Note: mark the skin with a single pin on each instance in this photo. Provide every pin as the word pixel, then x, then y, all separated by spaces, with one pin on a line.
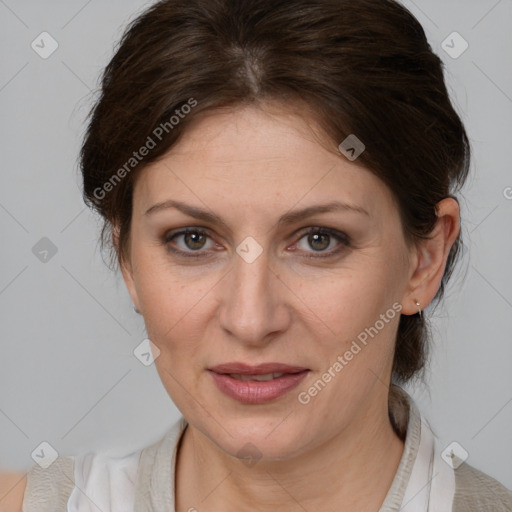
pixel 251 165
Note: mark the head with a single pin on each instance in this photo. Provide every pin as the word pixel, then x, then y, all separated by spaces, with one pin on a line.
pixel 238 109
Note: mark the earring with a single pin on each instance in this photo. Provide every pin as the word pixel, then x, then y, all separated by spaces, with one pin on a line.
pixel 418 306
pixel 136 310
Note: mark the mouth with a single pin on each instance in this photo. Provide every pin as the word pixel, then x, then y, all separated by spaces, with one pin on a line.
pixel 258 378
pixel 257 384
pixel 263 369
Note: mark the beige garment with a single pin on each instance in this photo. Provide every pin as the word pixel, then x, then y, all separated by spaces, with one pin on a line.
pixel 48 490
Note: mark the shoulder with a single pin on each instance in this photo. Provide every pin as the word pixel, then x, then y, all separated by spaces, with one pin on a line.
pixel 49 488
pixel 70 483
pixel 12 489
pixel 475 490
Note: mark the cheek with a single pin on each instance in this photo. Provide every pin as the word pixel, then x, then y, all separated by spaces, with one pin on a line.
pixel 345 302
pixel 173 309
pixel 164 289
pixel 357 316
pixel 360 315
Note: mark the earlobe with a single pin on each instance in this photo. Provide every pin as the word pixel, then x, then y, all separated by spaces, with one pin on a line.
pixel 432 255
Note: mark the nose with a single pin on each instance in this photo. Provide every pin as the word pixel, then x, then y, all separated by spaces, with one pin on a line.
pixel 254 307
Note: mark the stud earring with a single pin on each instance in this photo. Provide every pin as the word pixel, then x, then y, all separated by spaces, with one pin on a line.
pixel 418 306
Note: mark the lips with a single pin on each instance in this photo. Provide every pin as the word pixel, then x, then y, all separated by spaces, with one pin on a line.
pixel 260 378
pixel 257 384
pixel 261 369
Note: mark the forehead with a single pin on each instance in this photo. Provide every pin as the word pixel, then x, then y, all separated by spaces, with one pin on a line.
pixel 257 125
pixel 255 158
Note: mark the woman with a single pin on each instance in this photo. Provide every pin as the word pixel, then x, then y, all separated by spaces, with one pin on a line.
pixel 277 183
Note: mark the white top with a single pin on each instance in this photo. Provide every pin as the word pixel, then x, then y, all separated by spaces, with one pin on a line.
pixel 427 480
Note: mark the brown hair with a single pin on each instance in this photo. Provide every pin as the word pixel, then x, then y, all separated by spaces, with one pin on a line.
pixel 362 67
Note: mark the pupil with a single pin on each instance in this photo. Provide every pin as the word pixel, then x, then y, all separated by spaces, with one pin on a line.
pixel 194 235
pixel 315 237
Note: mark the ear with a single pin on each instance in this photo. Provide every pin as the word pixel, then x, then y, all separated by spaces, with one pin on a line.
pixel 429 258
pixel 126 269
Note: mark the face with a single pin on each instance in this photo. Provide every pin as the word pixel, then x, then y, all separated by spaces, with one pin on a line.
pixel 253 283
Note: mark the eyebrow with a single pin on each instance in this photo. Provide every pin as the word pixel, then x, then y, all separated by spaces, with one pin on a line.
pixel 287 219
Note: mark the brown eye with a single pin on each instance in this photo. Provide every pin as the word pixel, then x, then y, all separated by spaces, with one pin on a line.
pixel 320 239
pixel 192 241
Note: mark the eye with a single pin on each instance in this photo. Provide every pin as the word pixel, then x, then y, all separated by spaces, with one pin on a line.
pixel 194 240
pixel 319 239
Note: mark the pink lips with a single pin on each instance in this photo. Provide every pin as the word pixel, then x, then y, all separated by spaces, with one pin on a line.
pixel 252 391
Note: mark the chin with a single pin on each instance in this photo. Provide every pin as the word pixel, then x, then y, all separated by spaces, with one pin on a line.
pixel 256 437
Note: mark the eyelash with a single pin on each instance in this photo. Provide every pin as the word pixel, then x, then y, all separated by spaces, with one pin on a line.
pixel 341 237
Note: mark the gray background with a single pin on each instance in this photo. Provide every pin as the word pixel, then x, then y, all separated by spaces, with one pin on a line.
pixel 68 375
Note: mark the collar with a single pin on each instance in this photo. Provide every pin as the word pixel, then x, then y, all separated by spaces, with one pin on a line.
pixel 423 481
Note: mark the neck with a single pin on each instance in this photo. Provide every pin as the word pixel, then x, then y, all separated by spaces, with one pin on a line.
pixel 337 472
